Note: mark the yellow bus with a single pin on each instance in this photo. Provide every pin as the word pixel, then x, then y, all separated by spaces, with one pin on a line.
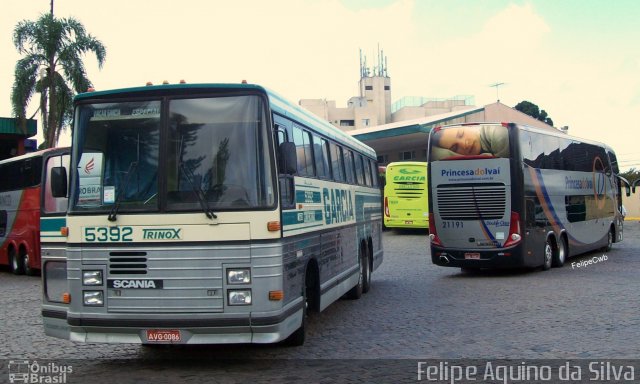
pixel 405 195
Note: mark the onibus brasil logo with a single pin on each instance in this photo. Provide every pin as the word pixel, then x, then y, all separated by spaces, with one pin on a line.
pixel 25 371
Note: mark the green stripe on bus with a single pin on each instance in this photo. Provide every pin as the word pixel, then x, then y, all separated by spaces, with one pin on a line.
pixel 52 224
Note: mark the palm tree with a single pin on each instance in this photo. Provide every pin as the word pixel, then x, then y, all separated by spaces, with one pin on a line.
pixel 52 62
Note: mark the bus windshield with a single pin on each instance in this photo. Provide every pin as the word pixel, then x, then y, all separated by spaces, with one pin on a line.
pixel 215 153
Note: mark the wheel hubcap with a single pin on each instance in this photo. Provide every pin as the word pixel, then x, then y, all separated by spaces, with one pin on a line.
pixel 547 253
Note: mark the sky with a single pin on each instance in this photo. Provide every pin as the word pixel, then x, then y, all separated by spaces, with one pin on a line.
pixel 579 60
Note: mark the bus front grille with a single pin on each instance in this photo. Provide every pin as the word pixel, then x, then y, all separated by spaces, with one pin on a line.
pixel 127 263
pixel 471 202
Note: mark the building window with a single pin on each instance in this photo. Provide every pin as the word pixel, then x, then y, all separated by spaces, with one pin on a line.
pixel 408 155
pixel 368 87
pixel 347 123
pixel 366 122
pixel 387 87
pixel 383 159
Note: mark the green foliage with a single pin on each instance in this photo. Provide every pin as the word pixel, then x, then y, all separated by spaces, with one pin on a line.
pixel 534 111
pixel 631 175
pixel 51 65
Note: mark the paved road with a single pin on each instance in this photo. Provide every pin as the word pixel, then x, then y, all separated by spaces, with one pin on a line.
pixel 414 311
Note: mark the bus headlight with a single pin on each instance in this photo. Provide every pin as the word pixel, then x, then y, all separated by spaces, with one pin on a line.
pixel 239 297
pixel 93 298
pixel 91 277
pixel 239 276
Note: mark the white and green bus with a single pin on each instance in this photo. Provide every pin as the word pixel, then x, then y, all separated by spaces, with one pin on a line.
pixel 206 214
pixel 405 195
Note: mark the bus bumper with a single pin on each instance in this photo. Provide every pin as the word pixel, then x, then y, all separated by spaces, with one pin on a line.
pixel 257 328
pixel 493 259
pixel 404 223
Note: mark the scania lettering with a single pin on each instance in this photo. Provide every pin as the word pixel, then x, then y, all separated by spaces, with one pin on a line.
pixel 508 195
pixel 208 214
pixel 135 284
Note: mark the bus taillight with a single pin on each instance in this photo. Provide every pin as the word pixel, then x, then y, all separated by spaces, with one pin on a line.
pixel 433 233
pixel 386 207
pixel 514 231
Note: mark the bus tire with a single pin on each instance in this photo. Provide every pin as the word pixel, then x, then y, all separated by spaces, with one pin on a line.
pixel 15 263
pixel 296 339
pixel 366 282
pixel 560 255
pixel 356 292
pixel 609 245
pixel 547 255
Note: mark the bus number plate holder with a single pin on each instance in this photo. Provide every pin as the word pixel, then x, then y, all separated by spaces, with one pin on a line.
pixel 163 336
pixel 472 256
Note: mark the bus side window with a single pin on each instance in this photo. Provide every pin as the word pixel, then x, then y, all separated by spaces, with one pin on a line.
pixel 3 223
pixel 348 165
pixel 530 212
pixel 336 163
pixel 285 180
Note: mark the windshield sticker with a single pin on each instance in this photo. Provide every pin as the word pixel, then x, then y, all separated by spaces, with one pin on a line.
pixel 109 196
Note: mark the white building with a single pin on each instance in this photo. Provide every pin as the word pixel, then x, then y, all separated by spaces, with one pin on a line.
pixel 399 132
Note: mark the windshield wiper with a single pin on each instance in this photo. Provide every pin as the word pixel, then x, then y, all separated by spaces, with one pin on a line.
pixel 116 206
pixel 199 193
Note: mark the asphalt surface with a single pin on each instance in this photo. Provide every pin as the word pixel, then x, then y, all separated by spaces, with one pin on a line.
pixel 414 312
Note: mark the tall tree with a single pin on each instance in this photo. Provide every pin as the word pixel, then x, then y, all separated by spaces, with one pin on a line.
pixel 52 65
pixel 534 111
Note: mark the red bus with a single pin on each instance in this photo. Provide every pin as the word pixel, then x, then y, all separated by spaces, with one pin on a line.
pixel 21 195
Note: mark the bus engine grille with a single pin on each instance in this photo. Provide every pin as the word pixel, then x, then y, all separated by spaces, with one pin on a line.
pixel 471 202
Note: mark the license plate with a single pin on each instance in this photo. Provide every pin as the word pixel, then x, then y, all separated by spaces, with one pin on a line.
pixel 472 256
pixel 163 335
pixel 408 222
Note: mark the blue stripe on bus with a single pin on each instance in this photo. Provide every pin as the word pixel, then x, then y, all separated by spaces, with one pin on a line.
pixel 551 211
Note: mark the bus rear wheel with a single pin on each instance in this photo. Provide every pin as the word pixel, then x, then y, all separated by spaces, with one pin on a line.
pixel 16 263
pixel 26 263
pixel 548 255
pixel 560 256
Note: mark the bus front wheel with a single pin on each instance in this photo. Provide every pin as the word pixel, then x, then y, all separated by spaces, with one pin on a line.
pixel 366 283
pixel 356 292
pixel 296 339
pixel 609 245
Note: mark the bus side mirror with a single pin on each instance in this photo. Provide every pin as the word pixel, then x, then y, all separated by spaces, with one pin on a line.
pixel 59 182
pixel 288 158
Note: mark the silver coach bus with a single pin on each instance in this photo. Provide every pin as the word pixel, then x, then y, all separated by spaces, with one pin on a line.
pixel 506 195
pixel 207 213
